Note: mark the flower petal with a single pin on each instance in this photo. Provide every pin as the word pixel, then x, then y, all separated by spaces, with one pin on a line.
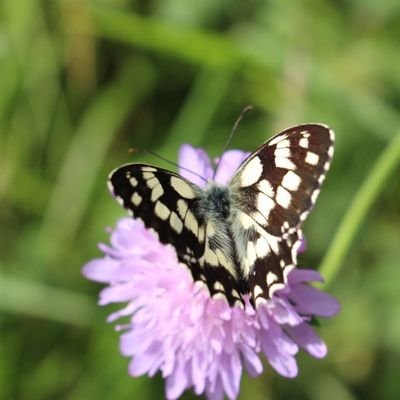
pixel 196 160
pixel 230 162
pixel 177 382
pixel 311 301
pixel 307 339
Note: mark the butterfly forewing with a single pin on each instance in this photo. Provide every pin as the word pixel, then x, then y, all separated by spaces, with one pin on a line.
pixel 165 202
pixel 279 183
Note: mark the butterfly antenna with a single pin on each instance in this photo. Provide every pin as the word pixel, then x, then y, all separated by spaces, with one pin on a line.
pixel 233 131
pixel 139 150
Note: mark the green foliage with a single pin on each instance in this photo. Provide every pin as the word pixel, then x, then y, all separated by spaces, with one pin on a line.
pixel 81 82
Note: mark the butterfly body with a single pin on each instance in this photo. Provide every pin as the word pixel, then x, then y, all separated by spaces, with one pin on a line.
pixel 242 238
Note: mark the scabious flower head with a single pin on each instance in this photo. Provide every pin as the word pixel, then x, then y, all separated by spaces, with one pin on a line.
pixel 176 328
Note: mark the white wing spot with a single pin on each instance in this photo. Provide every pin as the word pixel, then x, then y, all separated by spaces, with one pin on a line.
pixel 235 294
pixel 287 270
pixel 312 158
pixel 265 187
pixel 305 134
pixel 152 182
pixel 136 199
pixel 331 135
pixel 283 143
pixel 291 181
pixel 219 296
pixel 277 139
pixel 176 222
pixel 283 197
pixel 156 193
pixel 314 195
pixel 251 172
pixel 257 291
pixel 262 248
pixel 285 163
pixel 202 285
pixel 259 218
pixel 201 234
pixel 182 207
pixel 284 153
pixel 303 142
pixel 273 244
pixel 275 287
pixel 161 210
pixel 285 225
pixel 326 166
pixel 304 215
pixel 238 304
pixel 149 169
pixel 271 278
pixel 120 201
pixel 191 223
pixel 218 287
pixel 148 175
pixel 259 301
pixel 182 188
pixel 251 253
pixel 330 151
pixel 133 181
pixel 265 204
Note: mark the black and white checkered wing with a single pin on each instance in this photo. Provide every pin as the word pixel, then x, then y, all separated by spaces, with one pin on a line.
pixel 273 192
pixel 177 210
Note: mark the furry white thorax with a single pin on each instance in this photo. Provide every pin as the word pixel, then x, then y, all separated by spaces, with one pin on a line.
pixel 228 230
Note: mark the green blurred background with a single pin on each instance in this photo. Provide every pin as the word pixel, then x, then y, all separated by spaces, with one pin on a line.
pixel 82 81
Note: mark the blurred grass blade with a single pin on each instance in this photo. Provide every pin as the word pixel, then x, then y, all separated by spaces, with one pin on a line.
pixel 85 156
pixel 358 209
pixel 38 300
pixel 195 117
pixel 193 45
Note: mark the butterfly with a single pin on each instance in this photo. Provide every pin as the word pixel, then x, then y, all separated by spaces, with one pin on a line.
pixel 241 239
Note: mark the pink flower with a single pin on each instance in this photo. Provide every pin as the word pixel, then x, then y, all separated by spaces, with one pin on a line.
pixel 175 327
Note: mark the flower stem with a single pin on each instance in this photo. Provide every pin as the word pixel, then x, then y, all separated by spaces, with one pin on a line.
pixel 358 209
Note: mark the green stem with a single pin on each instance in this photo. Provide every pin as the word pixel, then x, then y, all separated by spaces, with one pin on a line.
pixel 359 207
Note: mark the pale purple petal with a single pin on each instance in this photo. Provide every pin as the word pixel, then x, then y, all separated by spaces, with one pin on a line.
pixel 196 160
pixel 311 301
pixel 176 383
pixel 230 162
pixel 304 276
pixel 307 339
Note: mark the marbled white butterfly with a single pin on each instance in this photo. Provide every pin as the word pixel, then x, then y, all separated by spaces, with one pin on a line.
pixel 242 238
